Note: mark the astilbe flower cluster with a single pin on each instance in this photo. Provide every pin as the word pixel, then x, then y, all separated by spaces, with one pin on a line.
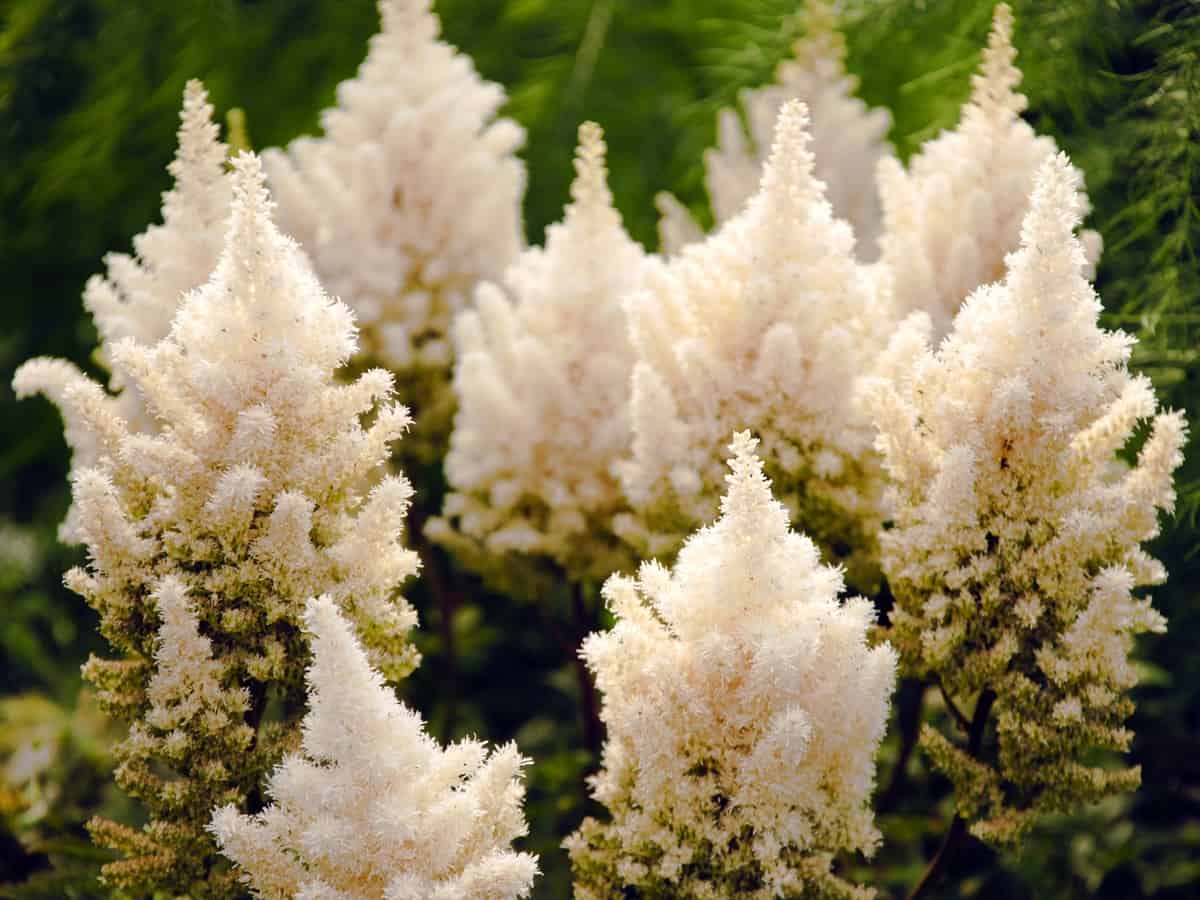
pixel 543 387
pixel 246 500
pixel 1015 549
pixel 951 217
pixel 848 140
pixel 744 708
pixel 410 197
pixel 768 324
pixel 371 808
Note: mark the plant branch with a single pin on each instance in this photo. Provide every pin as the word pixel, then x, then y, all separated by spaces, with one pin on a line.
pixel 910 699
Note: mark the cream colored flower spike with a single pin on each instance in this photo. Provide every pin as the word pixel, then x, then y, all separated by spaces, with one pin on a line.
pixel 410 198
pixel 740 698
pixel 372 808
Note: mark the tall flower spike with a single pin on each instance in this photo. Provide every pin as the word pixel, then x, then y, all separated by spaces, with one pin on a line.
pixel 1016 540
pixel 848 140
pixel 542 382
pixel 767 325
pixel 247 501
pixel 139 295
pixel 744 709
pixel 410 198
pixel 953 216
pixel 372 808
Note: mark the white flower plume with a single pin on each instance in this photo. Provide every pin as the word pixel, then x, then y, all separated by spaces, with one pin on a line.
pixel 372 808
pixel 741 698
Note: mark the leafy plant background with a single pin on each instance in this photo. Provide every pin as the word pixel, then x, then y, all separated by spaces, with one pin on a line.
pixel 89 93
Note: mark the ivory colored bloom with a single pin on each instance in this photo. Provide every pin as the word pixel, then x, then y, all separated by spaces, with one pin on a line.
pixel 767 325
pixel 372 808
pixel 955 213
pixel 543 384
pixel 410 198
pixel 1017 534
pixel 744 708
pixel 848 140
pixel 247 500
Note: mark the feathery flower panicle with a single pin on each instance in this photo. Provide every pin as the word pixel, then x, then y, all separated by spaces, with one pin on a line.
pixel 139 295
pixel 543 383
pixel 372 808
pixel 848 140
pixel 744 708
pixel 1016 546
pixel 409 199
pixel 767 325
pixel 953 216
pixel 246 501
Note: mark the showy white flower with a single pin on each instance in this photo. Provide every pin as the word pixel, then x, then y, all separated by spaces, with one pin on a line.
pixel 953 216
pixel 248 499
pixel 848 140
pixel 410 197
pixel 1016 544
pixel 766 325
pixel 543 383
pixel 372 808
pixel 744 708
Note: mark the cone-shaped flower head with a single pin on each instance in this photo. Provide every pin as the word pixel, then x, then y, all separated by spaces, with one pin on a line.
pixel 767 325
pixel 848 140
pixel 743 707
pixel 1017 534
pixel 372 808
pixel 410 198
pixel 953 216
pixel 543 384
pixel 248 500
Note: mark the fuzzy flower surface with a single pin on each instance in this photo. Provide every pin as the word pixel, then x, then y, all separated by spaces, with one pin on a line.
pixel 953 215
pixel 1016 546
pixel 744 708
pixel 410 197
pixel 259 488
pixel 372 808
pixel 543 386
pixel 768 325
pixel 848 140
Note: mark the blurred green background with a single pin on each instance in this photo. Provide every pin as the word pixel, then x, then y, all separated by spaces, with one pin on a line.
pixel 89 95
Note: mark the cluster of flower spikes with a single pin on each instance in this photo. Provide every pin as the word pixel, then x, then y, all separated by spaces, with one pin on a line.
pixel 1016 544
pixel 848 140
pixel 140 293
pixel 246 501
pixel 409 199
pixel 543 385
pixel 768 324
pixel 744 708
pixel 952 217
pixel 372 808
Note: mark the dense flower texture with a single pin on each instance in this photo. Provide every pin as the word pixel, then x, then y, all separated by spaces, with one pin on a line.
pixel 411 197
pixel 848 140
pixel 766 325
pixel 744 709
pixel 543 386
pixel 140 293
pixel 243 504
pixel 1016 541
pixel 373 808
pixel 951 218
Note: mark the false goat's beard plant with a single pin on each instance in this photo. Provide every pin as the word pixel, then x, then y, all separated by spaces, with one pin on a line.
pixel 744 708
pixel 372 808
pixel 1016 541
pixel 768 324
pixel 245 502
pixel 543 384
pixel 848 140
pixel 410 197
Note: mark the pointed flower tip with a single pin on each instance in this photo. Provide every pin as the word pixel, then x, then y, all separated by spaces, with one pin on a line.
pixel 790 161
pixel 591 172
pixel 321 616
pixel 1057 201
pixel 994 86
pixel 745 466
